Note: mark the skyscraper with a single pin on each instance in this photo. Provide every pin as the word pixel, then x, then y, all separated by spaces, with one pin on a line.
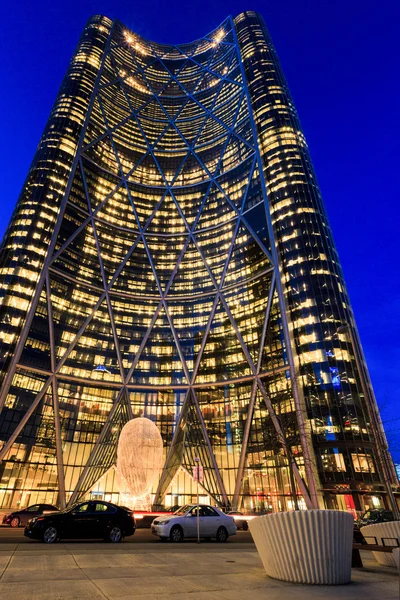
pixel 170 257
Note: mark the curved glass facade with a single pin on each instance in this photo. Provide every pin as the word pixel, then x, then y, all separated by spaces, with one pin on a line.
pixel 170 258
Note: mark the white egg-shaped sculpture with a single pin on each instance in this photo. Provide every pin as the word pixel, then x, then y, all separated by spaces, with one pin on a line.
pixel 139 456
pixel 125 496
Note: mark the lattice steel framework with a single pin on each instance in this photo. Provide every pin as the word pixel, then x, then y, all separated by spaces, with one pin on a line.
pixel 156 286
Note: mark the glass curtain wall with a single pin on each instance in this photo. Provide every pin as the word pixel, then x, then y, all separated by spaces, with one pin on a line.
pixel 339 403
pixel 140 277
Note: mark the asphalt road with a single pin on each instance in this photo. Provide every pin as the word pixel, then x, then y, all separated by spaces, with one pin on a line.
pixel 142 536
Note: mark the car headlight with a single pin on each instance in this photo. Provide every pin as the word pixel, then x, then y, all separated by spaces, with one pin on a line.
pixel 165 522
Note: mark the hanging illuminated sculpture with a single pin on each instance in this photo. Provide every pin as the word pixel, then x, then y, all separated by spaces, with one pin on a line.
pixel 139 461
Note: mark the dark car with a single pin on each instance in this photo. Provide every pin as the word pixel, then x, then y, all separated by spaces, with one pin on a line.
pixel 21 517
pixel 240 520
pixel 93 519
pixel 376 515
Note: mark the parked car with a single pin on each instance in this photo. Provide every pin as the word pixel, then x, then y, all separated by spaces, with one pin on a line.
pixel 183 524
pixel 86 520
pixel 19 518
pixel 240 520
pixel 376 515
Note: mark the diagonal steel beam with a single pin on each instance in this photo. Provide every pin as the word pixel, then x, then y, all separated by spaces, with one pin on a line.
pixel 299 480
pixel 56 405
pixel 243 452
pixel 210 450
pixel 171 449
pixel 155 94
pixel 266 322
pixel 59 451
pixel 154 97
pixel 104 279
pixel 143 343
pixel 177 343
pixel 87 219
pixel 238 335
pixel 135 212
pixel 189 238
pixel 103 295
pixel 109 286
pixel 205 336
pixel 25 418
pixel 41 282
pixel 298 396
pixel 105 134
pixel 79 333
pixel 99 440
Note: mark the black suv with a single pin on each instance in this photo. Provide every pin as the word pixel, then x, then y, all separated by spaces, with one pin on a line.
pixel 21 517
pixel 93 519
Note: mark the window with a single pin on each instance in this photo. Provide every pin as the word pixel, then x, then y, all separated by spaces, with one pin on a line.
pixel 363 463
pixel 181 511
pixel 103 508
pixel 207 511
pixel 82 508
pixel 34 508
pixel 333 460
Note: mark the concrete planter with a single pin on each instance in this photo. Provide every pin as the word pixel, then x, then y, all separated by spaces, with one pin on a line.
pixel 390 532
pixel 396 557
pixel 312 546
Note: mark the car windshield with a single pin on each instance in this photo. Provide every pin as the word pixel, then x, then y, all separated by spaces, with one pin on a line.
pixel 182 510
pixel 70 508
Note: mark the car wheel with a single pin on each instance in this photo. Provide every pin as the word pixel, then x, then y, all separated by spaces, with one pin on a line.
pixel 15 522
pixel 50 535
pixel 115 534
pixel 222 534
pixel 176 534
pixel 245 526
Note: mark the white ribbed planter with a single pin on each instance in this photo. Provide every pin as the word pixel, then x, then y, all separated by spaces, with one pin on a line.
pixel 311 546
pixel 390 531
pixel 396 556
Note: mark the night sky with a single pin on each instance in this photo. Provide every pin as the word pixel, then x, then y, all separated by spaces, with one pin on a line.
pixel 341 60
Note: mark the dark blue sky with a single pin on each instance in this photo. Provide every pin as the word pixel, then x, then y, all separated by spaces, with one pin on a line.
pixel 341 59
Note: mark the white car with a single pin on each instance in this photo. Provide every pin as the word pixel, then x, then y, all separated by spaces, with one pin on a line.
pixel 183 524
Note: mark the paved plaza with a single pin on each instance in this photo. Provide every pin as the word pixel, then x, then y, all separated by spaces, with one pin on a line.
pixel 150 570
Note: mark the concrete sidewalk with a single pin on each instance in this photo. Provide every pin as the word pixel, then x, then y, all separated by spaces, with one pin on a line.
pixel 186 571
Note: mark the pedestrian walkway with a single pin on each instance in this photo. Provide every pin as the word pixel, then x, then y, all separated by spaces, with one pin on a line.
pixel 98 571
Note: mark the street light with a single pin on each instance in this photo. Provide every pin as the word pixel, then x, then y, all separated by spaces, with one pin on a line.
pixel 381 445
